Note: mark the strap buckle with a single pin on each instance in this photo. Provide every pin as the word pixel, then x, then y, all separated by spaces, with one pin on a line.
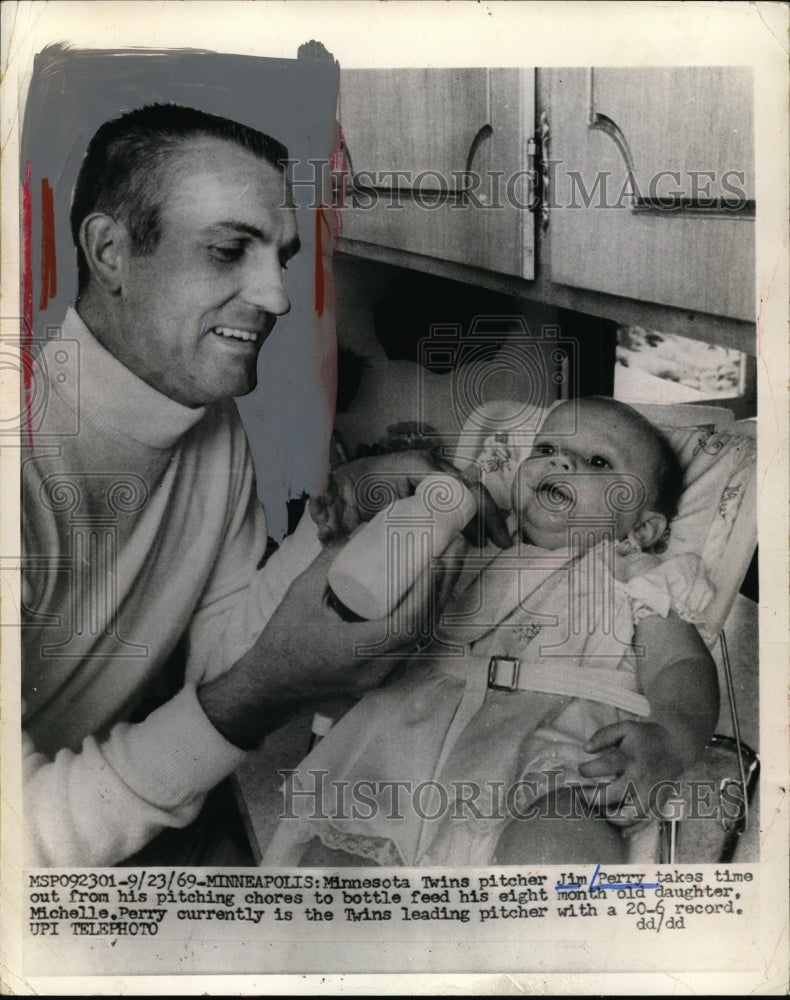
pixel 503 673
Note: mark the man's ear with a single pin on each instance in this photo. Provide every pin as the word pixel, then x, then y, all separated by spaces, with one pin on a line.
pixel 649 528
pixel 105 244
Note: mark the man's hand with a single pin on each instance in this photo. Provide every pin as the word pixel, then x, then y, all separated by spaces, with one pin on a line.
pixel 638 755
pixel 307 652
pixel 358 490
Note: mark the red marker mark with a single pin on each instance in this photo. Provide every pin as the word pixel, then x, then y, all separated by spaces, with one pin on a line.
pixel 49 280
pixel 330 219
pixel 321 223
pixel 27 298
pixel 339 172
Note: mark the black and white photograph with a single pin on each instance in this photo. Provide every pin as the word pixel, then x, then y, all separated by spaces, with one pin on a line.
pixel 394 455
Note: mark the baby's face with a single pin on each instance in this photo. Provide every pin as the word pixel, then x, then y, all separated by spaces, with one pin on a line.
pixel 590 465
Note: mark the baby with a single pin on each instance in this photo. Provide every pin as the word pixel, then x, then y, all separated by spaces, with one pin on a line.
pixel 568 661
pixel 585 454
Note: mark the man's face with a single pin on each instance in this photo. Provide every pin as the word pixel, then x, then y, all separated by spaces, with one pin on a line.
pixel 590 465
pixel 195 312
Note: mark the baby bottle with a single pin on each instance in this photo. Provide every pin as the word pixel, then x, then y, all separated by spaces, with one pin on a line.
pixel 380 563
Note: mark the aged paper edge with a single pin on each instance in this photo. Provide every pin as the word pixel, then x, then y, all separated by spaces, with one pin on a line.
pixel 458 34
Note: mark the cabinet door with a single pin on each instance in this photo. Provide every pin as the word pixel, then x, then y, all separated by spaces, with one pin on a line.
pixel 652 185
pixel 432 152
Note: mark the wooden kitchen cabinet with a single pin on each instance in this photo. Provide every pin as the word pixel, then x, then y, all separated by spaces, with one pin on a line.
pixel 676 254
pixel 651 185
pixel 415 137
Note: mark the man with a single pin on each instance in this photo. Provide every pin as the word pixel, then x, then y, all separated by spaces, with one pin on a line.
pixel 144 528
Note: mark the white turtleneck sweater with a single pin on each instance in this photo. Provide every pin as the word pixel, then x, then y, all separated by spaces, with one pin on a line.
pixel 140 525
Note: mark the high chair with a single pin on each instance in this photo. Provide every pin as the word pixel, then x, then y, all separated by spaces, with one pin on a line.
pixel 734 763
pixel 717 519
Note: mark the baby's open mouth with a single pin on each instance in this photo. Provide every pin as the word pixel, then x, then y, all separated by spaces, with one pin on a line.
pixel 555 496
pixel 555 492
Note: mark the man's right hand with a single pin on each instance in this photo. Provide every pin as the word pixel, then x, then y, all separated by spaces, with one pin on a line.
pixel 358 490
pixel 308 653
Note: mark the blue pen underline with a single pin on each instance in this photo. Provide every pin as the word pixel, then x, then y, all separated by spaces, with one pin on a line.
pixel 608 885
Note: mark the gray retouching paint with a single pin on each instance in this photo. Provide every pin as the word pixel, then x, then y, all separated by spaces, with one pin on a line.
pixel 72 92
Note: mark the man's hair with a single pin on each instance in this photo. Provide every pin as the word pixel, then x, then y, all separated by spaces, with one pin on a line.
pixel 125 167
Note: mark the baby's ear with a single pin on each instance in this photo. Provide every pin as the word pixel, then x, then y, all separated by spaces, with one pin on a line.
pixel 650 528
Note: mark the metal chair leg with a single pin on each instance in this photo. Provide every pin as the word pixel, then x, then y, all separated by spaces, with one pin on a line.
pixel 748 775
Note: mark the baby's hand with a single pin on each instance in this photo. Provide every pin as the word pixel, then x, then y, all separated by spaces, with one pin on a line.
pixel 631 561
pixel 638 756
pixel 358 490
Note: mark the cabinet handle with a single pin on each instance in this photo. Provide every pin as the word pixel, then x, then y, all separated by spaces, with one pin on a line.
pixel 710 208
pixel 676 205
pixel 456 193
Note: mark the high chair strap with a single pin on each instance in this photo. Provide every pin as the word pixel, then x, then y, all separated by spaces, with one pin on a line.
pixel 611 687
pixel 506 673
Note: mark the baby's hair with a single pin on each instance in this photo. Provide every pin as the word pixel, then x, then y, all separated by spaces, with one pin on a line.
pixel 669 478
